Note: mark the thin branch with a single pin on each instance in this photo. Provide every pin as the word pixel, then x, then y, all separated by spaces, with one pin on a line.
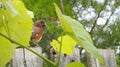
pixel 62 6
pixel 24 60
pixel 108 19
pixel 95 22
pixel 45 59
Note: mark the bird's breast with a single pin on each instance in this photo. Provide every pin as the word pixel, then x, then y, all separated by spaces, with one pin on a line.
pixel 38 36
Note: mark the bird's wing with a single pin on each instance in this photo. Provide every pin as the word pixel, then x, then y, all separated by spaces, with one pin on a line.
pixel 35 32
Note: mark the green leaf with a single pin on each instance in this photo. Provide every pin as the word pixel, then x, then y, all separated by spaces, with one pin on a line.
pixel 6 51
pixel 68 44
pixel 77 32
pixel 1 19
pixel 75 64
pixel 18 23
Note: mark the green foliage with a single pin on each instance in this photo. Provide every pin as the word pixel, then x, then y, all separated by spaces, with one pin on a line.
pixel 68 7
pixel 117 3
pixel 85 3
pixel 16 24
pixel 118 60
pixel 75 64
pixel 77 32
pixel 115 31
pixel 66 42
pixel 44 9
pixel 41 8
pixel 97 6
pixel 6 51
pixel 110 38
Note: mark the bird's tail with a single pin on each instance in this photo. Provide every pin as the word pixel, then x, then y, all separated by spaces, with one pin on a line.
pixel 32 44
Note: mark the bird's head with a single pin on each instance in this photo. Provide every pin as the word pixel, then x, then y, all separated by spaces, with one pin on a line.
pixel 40 23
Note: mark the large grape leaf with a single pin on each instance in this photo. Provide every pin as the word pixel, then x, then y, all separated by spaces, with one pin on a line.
pixel 1 20
pixel 14 23
pixel 6 51
pixel 17 22
pixel 68 44
pixel 77 32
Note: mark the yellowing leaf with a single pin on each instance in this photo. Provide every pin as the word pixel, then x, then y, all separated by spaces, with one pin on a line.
pixel 16 24
pixel 1 25
pixel 6 51
pixel 68 44
pixel 75 64
pixel 19 25
pixel 30 13
pixel 78 33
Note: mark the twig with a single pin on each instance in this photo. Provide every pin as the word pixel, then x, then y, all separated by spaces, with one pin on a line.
pixel 45 59
pixel 62 6
pixel 94 24
pixel 24 60
pixel 108 20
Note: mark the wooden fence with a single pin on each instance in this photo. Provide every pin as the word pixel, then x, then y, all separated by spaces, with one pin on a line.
pixel 108 56
pixel 24 58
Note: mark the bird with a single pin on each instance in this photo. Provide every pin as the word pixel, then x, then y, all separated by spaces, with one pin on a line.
pixel 37 32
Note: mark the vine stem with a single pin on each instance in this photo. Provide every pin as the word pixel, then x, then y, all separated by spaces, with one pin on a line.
pixel 42 57
pixel 59 53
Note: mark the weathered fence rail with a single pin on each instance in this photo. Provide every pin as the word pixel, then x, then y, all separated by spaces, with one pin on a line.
pixel 108 56
pixel 66 59
pixel 24 58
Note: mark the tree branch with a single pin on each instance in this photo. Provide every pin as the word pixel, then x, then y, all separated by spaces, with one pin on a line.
pixel 94 24
pixel 108 20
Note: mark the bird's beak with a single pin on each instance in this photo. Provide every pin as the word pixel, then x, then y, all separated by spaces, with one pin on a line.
pixel 44 24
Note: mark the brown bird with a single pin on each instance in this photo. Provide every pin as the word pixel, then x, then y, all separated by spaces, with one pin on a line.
pixel 37 32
